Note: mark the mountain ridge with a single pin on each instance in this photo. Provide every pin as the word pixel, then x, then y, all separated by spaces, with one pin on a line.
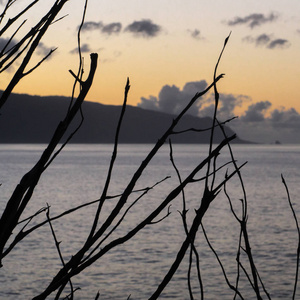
pixel 33 119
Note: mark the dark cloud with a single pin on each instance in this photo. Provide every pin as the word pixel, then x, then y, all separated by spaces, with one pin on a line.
pixel 172 100
pixel 256 112
pixel 278 124
pixel 195 34
pixel 259 122
pixel 262 39
pixel 149 103
pixel 253 20
pixel 227 105
pixel 109 29
pixel 88 26
pixel 279 43
pixel 3 43
pixel 267 41
pixel 285 118
pixel 112 28
pixel 42 49
pixel 144 28
pixel 85 48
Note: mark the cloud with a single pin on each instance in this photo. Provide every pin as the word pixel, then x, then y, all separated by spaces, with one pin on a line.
pixel 262 124
pixel 262 39
pixel 43 50
pixel 227 105
pixel 258 123
pixel 109 29
pixel 172 100
pixel 256 112
pixel 112 28
pixel 195 34
pixel 285 118
pixel 267 41
pixel 4 41
pixel 149 103
pixel 253 20
pixel 279 43
pixel 88 26
pixel 85 48
pixel 144 28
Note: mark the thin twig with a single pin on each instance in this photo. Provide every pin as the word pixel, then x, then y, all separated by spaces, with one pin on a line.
pixel 57 243
pixel 185 226
pixel 298 230
pixel 220 263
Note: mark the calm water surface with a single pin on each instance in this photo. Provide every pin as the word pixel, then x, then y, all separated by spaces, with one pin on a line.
pixel 78 175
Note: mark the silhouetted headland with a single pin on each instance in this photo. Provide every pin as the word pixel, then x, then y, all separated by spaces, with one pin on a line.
pixel 33 119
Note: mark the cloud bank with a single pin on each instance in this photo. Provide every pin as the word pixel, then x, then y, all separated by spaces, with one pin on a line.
pixel 259 122
pixel 172 99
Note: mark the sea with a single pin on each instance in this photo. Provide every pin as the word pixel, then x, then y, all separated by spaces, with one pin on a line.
pixel 134 269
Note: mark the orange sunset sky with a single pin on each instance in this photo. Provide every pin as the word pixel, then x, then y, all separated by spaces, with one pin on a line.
pixel 163 45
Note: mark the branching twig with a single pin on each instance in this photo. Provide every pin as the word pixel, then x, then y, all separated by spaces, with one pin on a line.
pixel 298 230
pixel 57 243
pixel 24 190
pixel 185 226
pixel 220 263
pixel 201 130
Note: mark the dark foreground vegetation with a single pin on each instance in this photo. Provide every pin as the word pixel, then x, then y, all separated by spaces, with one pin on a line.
pixel 100 241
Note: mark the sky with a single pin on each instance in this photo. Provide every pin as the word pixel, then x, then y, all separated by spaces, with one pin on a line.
pixel 169 49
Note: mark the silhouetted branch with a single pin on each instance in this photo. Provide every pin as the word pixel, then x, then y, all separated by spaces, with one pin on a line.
pixel 220 263
pixel 207 198
pixel 57 243
pixel 185 226
pixel 39 30
pixel 298 230
pixel 145 191
pixel 39 63
pixel 114 156
pixel 103 234
pixel 215 112
pixel 201 130
pixel 2 52
pixel 25 188
pixel 73 267
pixel 12 20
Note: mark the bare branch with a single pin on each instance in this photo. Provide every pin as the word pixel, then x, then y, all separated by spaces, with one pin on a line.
pixel 220 263
pixel 11 21
pixel 298 230
pixel 39 63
